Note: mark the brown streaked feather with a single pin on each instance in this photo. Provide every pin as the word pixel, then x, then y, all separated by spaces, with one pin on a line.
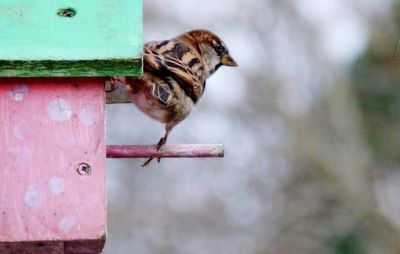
pixel 179 61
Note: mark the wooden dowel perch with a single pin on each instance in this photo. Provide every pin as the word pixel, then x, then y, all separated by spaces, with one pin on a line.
pixel 166 151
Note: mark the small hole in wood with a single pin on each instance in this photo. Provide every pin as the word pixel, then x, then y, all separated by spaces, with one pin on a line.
pixel 84 169
pixel 40 244
pixel 66 12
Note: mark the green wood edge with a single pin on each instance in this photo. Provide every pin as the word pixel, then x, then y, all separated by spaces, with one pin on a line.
pixel 76 68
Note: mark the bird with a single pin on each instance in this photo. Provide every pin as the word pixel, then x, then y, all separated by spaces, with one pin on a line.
pixel 174 76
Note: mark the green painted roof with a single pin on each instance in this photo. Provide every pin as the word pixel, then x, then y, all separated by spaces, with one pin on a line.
pixel 70 37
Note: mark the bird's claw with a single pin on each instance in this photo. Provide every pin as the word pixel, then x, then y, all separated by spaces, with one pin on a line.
pixel 147 162
pixel 160 143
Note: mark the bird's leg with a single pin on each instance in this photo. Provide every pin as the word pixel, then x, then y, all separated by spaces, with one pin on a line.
pixel 160 143
pixel 162 140
pixel 147 162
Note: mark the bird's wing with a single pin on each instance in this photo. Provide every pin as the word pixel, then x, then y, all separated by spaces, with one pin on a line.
pixel 174 59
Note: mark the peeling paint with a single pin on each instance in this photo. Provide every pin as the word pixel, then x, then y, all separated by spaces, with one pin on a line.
pixel 88 115
pixel 24 154
pixel 18 92
pixel 67 223
pixel 59 110
pixel 19 131
pixel 56 185
pixel 43 140
pixel 33 196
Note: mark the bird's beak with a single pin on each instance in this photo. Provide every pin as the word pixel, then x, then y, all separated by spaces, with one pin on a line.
pixel 227 60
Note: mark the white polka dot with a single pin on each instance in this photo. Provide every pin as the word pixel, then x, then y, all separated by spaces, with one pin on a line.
pixel 33 196
pixel 18 92
pixel 67 142
pixel 19 131
pixel 59 110
pixel 24 154
pixel 67 223
pixel 88 115
pixel 56 185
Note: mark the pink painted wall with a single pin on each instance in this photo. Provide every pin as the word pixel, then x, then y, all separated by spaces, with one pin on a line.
pixel 48 127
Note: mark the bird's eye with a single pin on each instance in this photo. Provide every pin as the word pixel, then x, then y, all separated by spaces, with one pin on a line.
pixel 219 48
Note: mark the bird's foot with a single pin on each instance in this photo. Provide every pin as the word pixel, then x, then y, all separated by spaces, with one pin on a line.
pixel 147 162
pixel 160 143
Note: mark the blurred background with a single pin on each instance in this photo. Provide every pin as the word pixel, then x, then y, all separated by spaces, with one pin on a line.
pixel 310 122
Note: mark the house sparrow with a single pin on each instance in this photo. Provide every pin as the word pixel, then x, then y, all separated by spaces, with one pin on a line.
pixel 175 74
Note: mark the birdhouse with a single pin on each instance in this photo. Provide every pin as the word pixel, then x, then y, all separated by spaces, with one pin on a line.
pixel 54 56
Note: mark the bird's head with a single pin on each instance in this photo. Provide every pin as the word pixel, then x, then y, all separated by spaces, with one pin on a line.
pixel 214 51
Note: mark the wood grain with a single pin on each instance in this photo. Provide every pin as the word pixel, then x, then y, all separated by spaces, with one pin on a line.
pixel 103 38
pixel 166 151
pixel 48 126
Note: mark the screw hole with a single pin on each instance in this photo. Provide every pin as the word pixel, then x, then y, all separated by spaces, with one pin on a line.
pixel 84 169
pixel 66 12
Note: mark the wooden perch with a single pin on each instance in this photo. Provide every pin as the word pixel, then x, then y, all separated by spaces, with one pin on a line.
pixel 166 151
